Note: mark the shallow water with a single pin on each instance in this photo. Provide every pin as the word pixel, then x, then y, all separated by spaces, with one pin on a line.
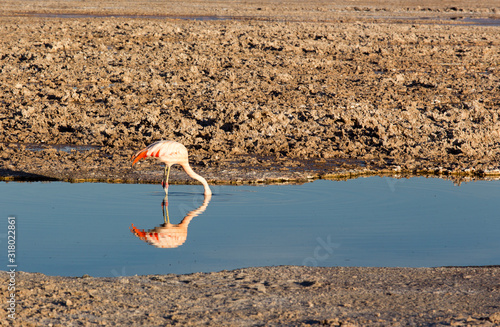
pixel 73 16
pixel 481 21
pixel 75 229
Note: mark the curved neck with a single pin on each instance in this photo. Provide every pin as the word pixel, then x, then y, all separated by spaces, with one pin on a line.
pixel 196 212
pixel 191 173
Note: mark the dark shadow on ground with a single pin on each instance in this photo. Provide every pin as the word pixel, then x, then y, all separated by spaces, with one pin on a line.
pixel 21 176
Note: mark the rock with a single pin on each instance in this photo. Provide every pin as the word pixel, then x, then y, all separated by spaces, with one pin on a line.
pixel 495 318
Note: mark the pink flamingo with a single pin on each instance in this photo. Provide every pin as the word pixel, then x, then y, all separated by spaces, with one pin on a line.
pixel 171 153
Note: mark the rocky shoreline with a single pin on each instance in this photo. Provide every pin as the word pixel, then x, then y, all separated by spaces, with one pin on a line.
pixel 252 100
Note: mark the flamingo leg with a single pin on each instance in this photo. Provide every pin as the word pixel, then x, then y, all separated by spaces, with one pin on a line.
pixel 168 218
pixel 166 175
pixel 164 207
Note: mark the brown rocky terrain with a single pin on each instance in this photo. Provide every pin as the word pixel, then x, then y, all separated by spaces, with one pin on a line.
pixel 258 92
pixel 253 99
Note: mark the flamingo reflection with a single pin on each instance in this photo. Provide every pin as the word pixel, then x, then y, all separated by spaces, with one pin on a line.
pixel 170 235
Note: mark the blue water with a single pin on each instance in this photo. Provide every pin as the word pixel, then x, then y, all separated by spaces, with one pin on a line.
pixel 75 229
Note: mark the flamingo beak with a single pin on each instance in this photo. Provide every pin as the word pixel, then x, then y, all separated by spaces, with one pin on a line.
pixel 139 156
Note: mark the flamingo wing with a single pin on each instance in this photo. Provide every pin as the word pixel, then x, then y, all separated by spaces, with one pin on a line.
pixel 171 152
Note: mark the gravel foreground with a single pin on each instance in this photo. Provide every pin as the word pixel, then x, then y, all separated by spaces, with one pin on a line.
pixel 270 296
pixel 281 92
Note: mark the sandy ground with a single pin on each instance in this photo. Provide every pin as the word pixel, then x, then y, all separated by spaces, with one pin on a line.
pixel 258 92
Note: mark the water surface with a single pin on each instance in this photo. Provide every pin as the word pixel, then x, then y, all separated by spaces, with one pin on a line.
pixel 88 228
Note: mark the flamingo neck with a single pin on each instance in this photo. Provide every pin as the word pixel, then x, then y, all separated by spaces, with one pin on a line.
pixel 185 222
pixel 191 173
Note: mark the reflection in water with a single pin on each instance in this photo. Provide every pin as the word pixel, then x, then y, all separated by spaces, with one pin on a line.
pixel 169 235
pixel 364 222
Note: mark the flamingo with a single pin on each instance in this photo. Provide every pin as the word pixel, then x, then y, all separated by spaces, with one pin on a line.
pixel 171 153
pixel 170 235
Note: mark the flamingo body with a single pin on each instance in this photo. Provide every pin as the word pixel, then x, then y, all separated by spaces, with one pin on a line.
pixel 171 153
